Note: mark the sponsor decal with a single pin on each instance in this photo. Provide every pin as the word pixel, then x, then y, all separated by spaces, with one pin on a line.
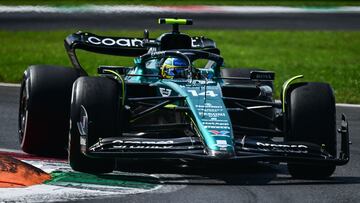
pixel 144 142
pixel 141 147
pixel 208 106
pixel 196 42
pixel 217 127
pixel 291 148
pixel 222 144
pixel 130 144
pixel 210 110
pixel 212 115
pixel 83 141
pixel 122 42
pixel 262 75
pixel 203 82
pixel 84 120
pixel 215 120
pixel 130 42
pixel 83 126
pixel 219 133
pixel 216 123
pixel 165 92
pixel 158 54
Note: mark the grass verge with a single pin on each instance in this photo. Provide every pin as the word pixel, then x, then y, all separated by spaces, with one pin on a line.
pixel 324 56
pixel 188 2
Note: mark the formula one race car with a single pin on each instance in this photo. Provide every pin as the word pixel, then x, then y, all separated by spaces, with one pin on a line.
pixel 177 102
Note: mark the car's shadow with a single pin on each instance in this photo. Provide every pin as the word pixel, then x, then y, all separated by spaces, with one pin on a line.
pixel 178 173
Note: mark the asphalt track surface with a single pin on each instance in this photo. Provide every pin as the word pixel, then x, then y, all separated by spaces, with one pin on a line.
pixel 207 183
pixel 259 21
pixel 224 183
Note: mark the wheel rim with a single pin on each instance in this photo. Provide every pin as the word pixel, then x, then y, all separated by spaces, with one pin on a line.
pixel 23 112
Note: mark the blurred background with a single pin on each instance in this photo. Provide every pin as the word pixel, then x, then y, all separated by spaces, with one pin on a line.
pixel 319 39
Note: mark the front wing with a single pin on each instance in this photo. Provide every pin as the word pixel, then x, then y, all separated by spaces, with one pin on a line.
pixel 246 149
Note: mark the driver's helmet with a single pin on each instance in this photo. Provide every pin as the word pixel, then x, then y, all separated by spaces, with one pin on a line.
pixel 174 67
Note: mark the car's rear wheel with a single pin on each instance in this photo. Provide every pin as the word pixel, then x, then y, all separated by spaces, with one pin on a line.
pixel 310 117
pixel 95 106
pixel 44 109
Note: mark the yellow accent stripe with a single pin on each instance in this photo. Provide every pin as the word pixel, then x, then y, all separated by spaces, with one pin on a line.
pixel 195 126
pixel 284 88
pixel 174 21
pixel 172 66
pixel 122 82
pixel 170 106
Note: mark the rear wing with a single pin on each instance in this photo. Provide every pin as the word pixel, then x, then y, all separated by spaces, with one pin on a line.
pixel 119 46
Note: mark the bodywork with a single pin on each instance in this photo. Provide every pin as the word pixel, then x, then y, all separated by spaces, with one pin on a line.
pixel 206 117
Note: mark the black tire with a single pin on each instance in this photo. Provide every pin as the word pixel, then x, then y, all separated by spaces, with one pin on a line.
pixel 44 109
pixel 100 97
pixel 311 118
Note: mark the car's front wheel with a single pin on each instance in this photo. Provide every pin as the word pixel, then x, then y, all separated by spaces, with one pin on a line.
pixel 95 106
pixel 310 117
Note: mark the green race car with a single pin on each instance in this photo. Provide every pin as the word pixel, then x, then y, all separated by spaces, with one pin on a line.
pixel 176 102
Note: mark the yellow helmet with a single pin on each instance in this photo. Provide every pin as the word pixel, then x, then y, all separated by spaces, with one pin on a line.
pixel 174 68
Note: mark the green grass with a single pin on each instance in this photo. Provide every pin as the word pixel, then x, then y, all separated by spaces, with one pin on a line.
pixel 188 2
pixel 324 56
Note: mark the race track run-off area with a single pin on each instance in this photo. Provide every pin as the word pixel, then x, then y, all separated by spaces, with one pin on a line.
pixel 65 184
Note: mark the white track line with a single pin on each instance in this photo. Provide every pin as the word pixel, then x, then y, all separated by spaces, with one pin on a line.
pixel 348 105
pixel 9 84
pixel 12 151
pixel 339 104
pixel 176 9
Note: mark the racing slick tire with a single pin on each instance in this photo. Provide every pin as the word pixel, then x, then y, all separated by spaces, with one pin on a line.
pixel 99 96
pixel 311 118
pixel 44 109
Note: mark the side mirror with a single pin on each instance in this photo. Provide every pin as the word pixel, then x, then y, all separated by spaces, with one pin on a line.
pixel 147 43
pixel 146 36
